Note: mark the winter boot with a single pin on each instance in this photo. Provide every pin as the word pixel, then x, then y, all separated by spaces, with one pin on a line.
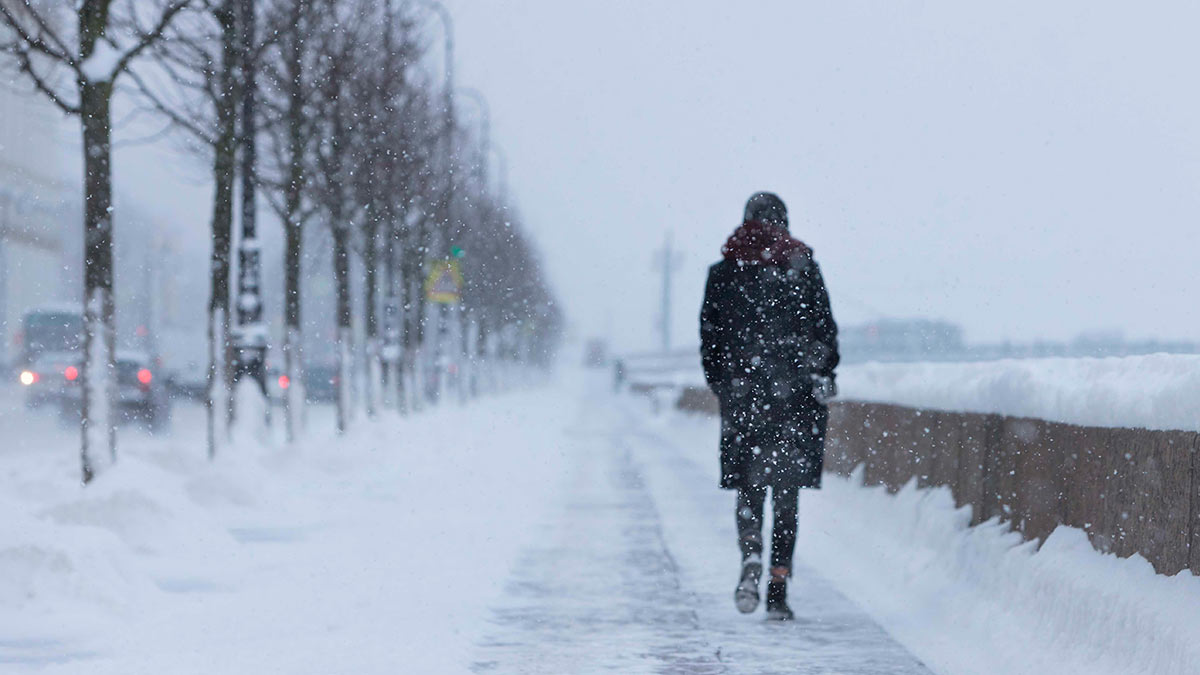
pixel 746 595
pixel 777 607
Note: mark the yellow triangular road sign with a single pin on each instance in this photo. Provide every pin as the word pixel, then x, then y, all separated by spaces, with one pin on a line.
pixel 444 284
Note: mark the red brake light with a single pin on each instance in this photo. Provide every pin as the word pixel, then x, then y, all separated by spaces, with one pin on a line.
pixel 284 381
pixel 28 377
pixel 71 373
pixel 144 376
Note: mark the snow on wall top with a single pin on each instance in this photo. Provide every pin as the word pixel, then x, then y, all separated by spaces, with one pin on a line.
pixel 1159 391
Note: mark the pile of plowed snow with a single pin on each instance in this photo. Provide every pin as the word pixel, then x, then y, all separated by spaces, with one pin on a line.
pixel 982 600
pixel 1159 391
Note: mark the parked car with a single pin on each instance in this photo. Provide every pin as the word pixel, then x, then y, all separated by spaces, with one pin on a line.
pixel 141 395
pixel 320 383
pixel 48 378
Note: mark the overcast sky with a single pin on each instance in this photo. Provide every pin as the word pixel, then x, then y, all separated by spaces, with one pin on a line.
pixel 1027 169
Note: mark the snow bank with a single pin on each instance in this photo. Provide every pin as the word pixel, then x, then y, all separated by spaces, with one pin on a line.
pixel 976 600
pixel 378 551
pixel 1160 391
pixel 953 593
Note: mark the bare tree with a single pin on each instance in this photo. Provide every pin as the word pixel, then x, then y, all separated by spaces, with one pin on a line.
pixel 417 180
pixel 289 83
pixel 193 82
pixel 386 88
pixel 342 154
pixel 107 37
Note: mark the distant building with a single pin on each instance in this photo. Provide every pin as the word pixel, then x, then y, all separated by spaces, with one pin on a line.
pixel 39 215
pixel 901 340
pixel 932 340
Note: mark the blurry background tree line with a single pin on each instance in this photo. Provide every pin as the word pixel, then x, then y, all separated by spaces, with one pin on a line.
pixel 342 118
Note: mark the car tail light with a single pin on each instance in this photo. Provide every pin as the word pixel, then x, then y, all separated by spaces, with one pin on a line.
pixel 144 376
pixel 28 377
pixel 284 381
pixel 71 373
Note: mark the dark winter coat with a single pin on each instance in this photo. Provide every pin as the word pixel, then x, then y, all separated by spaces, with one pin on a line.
pixel 765 330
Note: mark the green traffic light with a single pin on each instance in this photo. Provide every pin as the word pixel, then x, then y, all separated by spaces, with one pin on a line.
pixel 457 252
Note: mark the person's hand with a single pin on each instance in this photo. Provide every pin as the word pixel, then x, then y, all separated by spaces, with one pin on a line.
pixel 824 388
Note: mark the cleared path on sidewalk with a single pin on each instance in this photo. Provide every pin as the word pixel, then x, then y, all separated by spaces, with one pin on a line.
pixel 634 572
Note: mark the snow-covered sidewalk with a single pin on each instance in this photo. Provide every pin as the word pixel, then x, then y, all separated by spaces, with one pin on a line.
pixel 634 573
pixel 376 553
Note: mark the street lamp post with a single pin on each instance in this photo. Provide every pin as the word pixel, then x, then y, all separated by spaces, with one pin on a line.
pixel 250 335
pixel 470 387
pixel 447 201
pixel 501 176
pixel 485 132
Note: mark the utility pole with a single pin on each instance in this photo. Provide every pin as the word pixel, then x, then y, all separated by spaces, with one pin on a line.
pixel 250 335
pixel 668 262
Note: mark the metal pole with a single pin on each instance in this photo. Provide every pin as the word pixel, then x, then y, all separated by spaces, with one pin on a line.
pixel 485 132
pixel 250 335
pixel 668 267
pixel 501 175
pixel 447 202
pixel 466 372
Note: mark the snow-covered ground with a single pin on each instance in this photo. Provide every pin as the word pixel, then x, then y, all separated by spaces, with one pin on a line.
pixel 345 555
pixel 555 530
pixel 977 600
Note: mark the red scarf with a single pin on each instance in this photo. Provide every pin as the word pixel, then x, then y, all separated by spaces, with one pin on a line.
pixel 758 243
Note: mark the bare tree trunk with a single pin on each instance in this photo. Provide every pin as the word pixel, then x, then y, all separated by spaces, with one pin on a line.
pixel 99 432
pixel 341 277
pixel 370 319
pixel 292 333
pixel 390 386
pixel 413 271
pixel 29 35
pixel 421 307
pixel 404 360
pixel 293 246
pixel 217 382
pixel 482 366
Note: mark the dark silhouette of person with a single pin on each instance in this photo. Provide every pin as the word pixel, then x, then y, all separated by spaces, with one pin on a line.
pixel 769 349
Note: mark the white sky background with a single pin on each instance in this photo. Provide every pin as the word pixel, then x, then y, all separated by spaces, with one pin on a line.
pixel 1028 169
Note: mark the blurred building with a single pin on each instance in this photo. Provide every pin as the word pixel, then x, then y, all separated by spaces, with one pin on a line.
pixel 901 340
pixel 39 233
pixel 932 340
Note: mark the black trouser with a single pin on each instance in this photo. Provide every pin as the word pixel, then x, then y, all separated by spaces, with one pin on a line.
pixel 785 503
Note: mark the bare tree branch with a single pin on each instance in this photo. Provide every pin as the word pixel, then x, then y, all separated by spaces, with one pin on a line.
pixel 26 65
pixel 150 38
pixel 175 118
pixel 59 51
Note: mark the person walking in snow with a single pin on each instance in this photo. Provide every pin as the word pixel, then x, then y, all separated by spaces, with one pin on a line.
pixel 769 349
